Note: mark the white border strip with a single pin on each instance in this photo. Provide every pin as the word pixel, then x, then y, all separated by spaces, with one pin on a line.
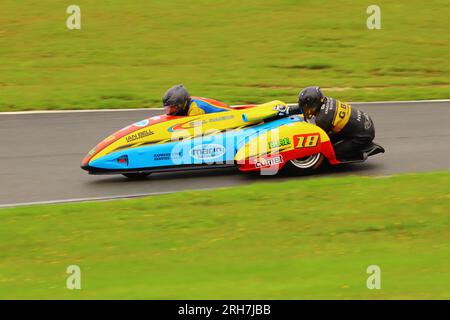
pixel 400 102
pixel 158 109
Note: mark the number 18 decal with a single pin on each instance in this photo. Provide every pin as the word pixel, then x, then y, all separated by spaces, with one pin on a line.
pixel 306 140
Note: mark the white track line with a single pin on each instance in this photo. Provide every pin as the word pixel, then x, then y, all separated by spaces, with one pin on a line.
pixel 76 111
pixel 150 109
pixel 106 198
pixel 118 197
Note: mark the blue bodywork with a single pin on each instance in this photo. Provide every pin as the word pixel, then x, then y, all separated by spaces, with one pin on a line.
pixel 219 148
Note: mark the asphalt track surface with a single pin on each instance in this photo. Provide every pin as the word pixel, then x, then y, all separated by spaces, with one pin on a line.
pixel 41 153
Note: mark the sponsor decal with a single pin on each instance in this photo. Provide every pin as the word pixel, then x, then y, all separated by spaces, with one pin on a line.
pixel 186 125
pixel 367 121
pixel 207 151
pixel 358 115
pixel 327 106
pixel 343 111
pixel 139 135
pixel 167 156
pixel 263 162
pixel 197 123
pixel 306 140
pixel 142 123
pixel 280 143
pixel 228 117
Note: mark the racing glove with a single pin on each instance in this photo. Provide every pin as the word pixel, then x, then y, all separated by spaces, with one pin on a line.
pixel 283 110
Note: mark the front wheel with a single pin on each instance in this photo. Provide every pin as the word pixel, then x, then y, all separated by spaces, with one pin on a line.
pixel 137 175
pixel 306 165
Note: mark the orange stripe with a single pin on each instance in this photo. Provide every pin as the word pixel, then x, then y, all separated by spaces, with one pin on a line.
pixel 213 102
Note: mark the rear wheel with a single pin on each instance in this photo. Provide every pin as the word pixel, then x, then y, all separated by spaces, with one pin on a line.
pixel 137 175
pixel 306 165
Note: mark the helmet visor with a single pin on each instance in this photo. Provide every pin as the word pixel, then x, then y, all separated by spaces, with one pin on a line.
pixel 171 110
pixel 309 111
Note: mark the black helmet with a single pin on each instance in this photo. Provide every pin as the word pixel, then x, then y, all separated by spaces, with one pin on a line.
pixel 310 100
pixel 176 100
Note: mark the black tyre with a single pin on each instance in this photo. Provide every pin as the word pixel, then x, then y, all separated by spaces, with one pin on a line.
pixel 305 165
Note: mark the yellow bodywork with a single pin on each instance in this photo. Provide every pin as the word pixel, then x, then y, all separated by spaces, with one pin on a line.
pixel 269 142
pixel 190 126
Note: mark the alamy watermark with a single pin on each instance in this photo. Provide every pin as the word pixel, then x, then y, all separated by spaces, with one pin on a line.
pixel 374 280
pixel 374 20
pixel 73 22
pixel 74 279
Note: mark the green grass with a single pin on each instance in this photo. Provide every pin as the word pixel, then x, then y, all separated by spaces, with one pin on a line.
pixel 129 52
pixel 301 239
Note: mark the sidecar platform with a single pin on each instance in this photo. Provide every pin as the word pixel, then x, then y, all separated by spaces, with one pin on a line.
pixel 371 150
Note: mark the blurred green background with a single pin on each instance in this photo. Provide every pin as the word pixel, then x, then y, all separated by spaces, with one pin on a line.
pixel 128 53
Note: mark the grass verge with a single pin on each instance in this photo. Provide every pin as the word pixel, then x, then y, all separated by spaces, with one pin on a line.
pixel 301 239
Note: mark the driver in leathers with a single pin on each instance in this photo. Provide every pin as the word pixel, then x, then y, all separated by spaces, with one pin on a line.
pixel 178 102
pixel 350 129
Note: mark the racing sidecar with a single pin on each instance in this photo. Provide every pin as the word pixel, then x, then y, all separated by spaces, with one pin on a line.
pixel 252 137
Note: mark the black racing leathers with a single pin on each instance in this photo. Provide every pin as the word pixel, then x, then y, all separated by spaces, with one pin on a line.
pixel 350 129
